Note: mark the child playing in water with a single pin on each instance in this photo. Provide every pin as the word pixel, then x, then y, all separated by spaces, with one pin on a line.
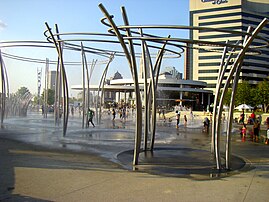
pixel 243 132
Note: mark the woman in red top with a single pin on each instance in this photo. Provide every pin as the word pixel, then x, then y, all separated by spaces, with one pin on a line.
pixel 252 118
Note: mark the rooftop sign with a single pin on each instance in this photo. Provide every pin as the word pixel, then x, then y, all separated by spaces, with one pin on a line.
pixel 215 1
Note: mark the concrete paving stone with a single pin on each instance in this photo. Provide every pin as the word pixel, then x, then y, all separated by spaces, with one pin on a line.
pixel 95 164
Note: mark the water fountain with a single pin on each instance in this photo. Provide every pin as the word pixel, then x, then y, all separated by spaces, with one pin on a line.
pixel 128 37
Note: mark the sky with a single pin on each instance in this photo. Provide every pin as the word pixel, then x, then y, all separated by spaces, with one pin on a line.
pixel 23 20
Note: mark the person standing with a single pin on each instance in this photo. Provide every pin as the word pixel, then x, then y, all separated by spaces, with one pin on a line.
pixel 252 117
pixel 206 125
pixel 267 136
pixel 191 115
pixel 113 114
pixel 267 130
pixel 243 132
pixel 185 120
pixel 256 131
pixel 177 118
pixel 72 111
pixel 90 117
pixel 159 112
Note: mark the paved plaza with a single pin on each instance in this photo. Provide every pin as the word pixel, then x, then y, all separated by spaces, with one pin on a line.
pixel 95 164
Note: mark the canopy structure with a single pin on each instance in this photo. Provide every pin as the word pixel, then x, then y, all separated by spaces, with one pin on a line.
pixel 244 107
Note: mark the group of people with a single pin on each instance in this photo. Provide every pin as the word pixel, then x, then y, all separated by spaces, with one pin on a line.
pixel 267 131
pixel 123 113
pixel 254 133
pixel 178 119
pixel 255 121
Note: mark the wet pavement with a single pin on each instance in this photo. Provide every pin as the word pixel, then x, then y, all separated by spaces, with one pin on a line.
pixel 183 151
pixel 179 152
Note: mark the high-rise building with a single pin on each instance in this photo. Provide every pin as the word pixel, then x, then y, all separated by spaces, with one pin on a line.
pixel 173 71
pixel 51 80
pixel 237 15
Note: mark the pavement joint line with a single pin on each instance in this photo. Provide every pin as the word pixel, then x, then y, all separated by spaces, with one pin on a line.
pixel 86 187
pixel 251 181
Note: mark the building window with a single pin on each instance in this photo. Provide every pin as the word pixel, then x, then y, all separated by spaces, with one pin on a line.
pixel 205 71
pixel 224 28
pixel 211 85
pixel 208 78
pixel 210 64
pixel 220 15
pixel 218 36
pixel 220 22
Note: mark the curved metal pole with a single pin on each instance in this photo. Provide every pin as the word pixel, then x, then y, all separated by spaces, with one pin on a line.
pixel 218 123
pixel 45 115
pixel 154 85
pixel 132 66
pixel 99 99
pixel 57 94
pixel 83 85
pixel 65 85
pixel 217 116
pixel 3 94
pixel 151 90
pixel 137 90
pixel 217 94
pixel 58 46
pixel 89 76
pixel 6 88
pixel 58 80
pixel 230 115
pixel 101 86
pixel 237 62
pixel 86 97
pixel 146 105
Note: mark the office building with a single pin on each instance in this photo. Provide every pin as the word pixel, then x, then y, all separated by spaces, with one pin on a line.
pixel 51 80
pixel 203 65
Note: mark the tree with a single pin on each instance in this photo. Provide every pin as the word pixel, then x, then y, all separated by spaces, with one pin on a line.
pixel 227 97
pixel 22 91
pixel 243 94
pixel 262 94
pixel 51 96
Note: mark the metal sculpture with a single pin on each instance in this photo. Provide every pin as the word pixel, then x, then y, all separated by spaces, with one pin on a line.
pixel 14 106
pixel 128 38
pixel 59 47
pixel 101 87
pixel 235 70
pixel 4 88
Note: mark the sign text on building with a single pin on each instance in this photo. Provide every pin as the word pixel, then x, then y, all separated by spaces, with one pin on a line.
pixel 215 1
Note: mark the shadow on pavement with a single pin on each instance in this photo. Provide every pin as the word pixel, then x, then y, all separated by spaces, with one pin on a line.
pixel 14 154
pixel 181 162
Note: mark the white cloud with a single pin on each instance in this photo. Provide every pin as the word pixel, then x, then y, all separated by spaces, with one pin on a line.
pixel 2 25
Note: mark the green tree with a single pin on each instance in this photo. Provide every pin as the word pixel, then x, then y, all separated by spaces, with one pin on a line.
pixel 243 95
pixel 51 97
pixel 22 91
pixel 227 97
pixel 35 100
pixel 262 94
